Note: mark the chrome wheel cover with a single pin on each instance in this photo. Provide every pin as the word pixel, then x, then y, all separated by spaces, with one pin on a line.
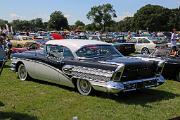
pixel 84 87
pixel 22 73
pixel 145 51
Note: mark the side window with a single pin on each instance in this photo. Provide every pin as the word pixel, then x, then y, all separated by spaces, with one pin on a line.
pixel 133 40
pixel 67 53
pixel 140 40
pixel 57 52
pixel 54 51
pixel 145 40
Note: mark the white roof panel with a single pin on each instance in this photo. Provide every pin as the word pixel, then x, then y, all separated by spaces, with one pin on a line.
pixel 75 44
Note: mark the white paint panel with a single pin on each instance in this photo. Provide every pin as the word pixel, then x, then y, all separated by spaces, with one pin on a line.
pixel 49 73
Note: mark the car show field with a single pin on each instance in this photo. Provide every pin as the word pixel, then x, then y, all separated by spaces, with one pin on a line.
pixel 90 60
pixel 35 99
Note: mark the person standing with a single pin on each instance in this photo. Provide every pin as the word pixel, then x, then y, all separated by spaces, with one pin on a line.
pixel 129 36
pixel 8 48
pixel 173 43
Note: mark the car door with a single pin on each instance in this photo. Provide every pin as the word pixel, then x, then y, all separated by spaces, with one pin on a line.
pixel 50 67
pixel 142 43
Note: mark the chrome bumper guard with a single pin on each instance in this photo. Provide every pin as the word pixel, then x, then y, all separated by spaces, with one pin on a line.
pixel 116 87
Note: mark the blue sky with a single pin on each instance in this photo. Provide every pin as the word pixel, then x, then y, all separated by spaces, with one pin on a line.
pixel 73 9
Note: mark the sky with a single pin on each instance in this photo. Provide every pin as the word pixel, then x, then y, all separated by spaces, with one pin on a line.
pixel 72 9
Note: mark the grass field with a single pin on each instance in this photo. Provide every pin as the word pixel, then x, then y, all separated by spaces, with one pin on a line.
pixel 32 100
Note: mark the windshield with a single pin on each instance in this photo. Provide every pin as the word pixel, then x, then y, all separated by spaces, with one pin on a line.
pixel 98 51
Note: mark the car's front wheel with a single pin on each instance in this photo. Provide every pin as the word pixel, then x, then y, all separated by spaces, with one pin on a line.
pixel 178 75
pixel 84 87
pixel 22 72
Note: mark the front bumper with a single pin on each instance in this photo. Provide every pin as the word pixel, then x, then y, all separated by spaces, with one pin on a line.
pixel 116 87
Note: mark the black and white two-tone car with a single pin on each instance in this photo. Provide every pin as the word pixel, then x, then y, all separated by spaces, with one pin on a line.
pixel 88 65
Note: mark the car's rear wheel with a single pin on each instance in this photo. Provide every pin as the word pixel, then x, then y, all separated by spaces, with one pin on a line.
pixel 22 72
pixel 178 75
pixel 84 87
pixel 145 51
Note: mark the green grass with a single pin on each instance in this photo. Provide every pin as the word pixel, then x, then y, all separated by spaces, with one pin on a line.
pixel 40 100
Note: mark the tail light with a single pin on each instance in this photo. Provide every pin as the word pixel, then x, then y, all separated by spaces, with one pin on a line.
pixel 118 73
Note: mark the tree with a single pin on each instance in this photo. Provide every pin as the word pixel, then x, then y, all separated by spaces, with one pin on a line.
pixel 174 19
pixel 102 15
pixel 21 25
pixel 37 24
pixel 79 23
pixel 3 23
pixel 127 24
pixel 57 21
pixel 152 17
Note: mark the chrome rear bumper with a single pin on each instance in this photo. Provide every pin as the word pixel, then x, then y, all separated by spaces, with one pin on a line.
pixel 116 87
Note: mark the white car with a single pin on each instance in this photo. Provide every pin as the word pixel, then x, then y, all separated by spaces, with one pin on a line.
pixel 88 65
pixel 145 45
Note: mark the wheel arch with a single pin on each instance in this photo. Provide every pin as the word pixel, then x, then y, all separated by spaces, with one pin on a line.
pixel 17 65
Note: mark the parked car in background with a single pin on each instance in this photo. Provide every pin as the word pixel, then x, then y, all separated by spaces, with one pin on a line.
pixel 172 63
pixel 28 47
pixel 124 48
pixel 21 41
pixel 88 65
pixel 145 45
pixel 118 41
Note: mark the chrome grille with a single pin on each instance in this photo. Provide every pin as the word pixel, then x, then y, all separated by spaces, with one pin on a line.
pixel 135 72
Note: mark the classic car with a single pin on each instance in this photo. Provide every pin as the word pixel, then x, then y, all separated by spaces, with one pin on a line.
pixel 172 63
pixel 119 42
pixel 146 45
pixel 32 46
pixel 122 46
pixel 21 41
pixel 88 65
pixel 37 44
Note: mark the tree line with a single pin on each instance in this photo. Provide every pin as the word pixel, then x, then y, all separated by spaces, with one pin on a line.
pixel 148 17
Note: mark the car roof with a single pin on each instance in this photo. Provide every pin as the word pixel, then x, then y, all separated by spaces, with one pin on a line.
pixel 75 44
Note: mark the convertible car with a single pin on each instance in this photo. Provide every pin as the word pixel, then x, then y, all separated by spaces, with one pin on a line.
pixel 172 63
pixel 88 65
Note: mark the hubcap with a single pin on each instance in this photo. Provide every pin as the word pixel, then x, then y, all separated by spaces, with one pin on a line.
pixel 145 51
pixel 84 87
pixel 22 72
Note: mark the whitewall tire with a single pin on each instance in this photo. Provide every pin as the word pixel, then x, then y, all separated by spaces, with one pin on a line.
pixel 22 72
pixel 84 87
